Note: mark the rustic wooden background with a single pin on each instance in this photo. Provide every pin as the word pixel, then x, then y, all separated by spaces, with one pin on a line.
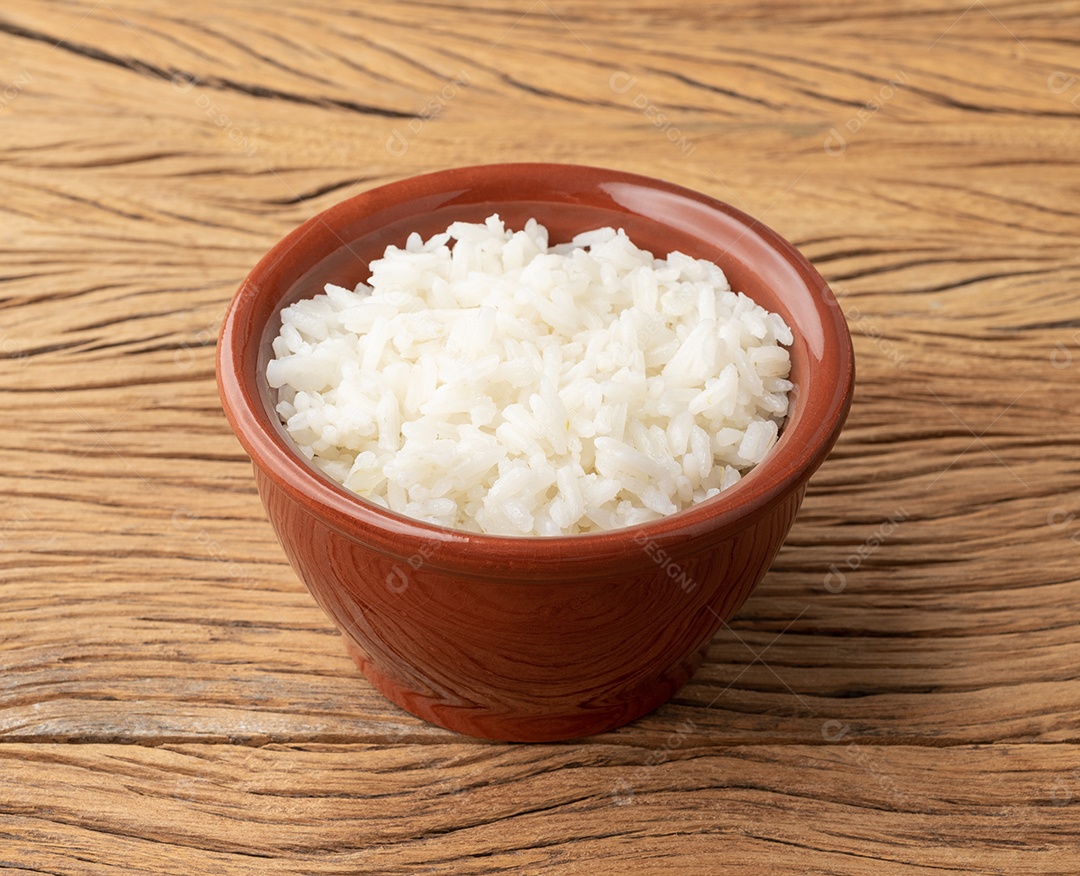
pixel 902 693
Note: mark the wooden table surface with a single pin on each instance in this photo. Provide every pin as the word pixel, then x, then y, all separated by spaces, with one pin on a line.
pixel 902 692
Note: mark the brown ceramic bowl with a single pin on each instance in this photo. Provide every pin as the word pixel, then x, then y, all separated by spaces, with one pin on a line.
pixel 533 639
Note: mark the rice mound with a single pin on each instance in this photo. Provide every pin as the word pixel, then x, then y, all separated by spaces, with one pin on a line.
pixel 501 386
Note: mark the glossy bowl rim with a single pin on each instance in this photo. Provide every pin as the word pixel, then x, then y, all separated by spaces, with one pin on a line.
pixel 788 465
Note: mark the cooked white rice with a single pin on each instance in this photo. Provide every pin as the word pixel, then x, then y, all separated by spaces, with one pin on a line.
pixel 501 386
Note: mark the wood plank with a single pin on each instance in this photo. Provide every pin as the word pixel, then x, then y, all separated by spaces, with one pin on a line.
pixel 326 809
pixel 900 694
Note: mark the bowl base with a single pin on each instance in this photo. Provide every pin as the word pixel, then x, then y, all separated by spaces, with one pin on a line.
pixel 473 720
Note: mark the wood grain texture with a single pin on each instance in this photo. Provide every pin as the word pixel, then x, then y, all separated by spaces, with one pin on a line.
pixel 901 694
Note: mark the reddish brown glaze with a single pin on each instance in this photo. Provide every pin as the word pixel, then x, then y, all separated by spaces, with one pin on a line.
pixel 533 639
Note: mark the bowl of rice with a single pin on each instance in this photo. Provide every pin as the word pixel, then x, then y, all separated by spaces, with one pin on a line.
pixel 531 433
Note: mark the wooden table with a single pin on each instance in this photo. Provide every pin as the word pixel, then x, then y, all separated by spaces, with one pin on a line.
pixel 901 694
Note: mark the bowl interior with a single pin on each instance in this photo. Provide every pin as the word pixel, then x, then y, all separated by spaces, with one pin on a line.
pixel 336 247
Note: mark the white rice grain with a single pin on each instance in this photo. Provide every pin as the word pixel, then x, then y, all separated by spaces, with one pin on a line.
pixel 483 380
